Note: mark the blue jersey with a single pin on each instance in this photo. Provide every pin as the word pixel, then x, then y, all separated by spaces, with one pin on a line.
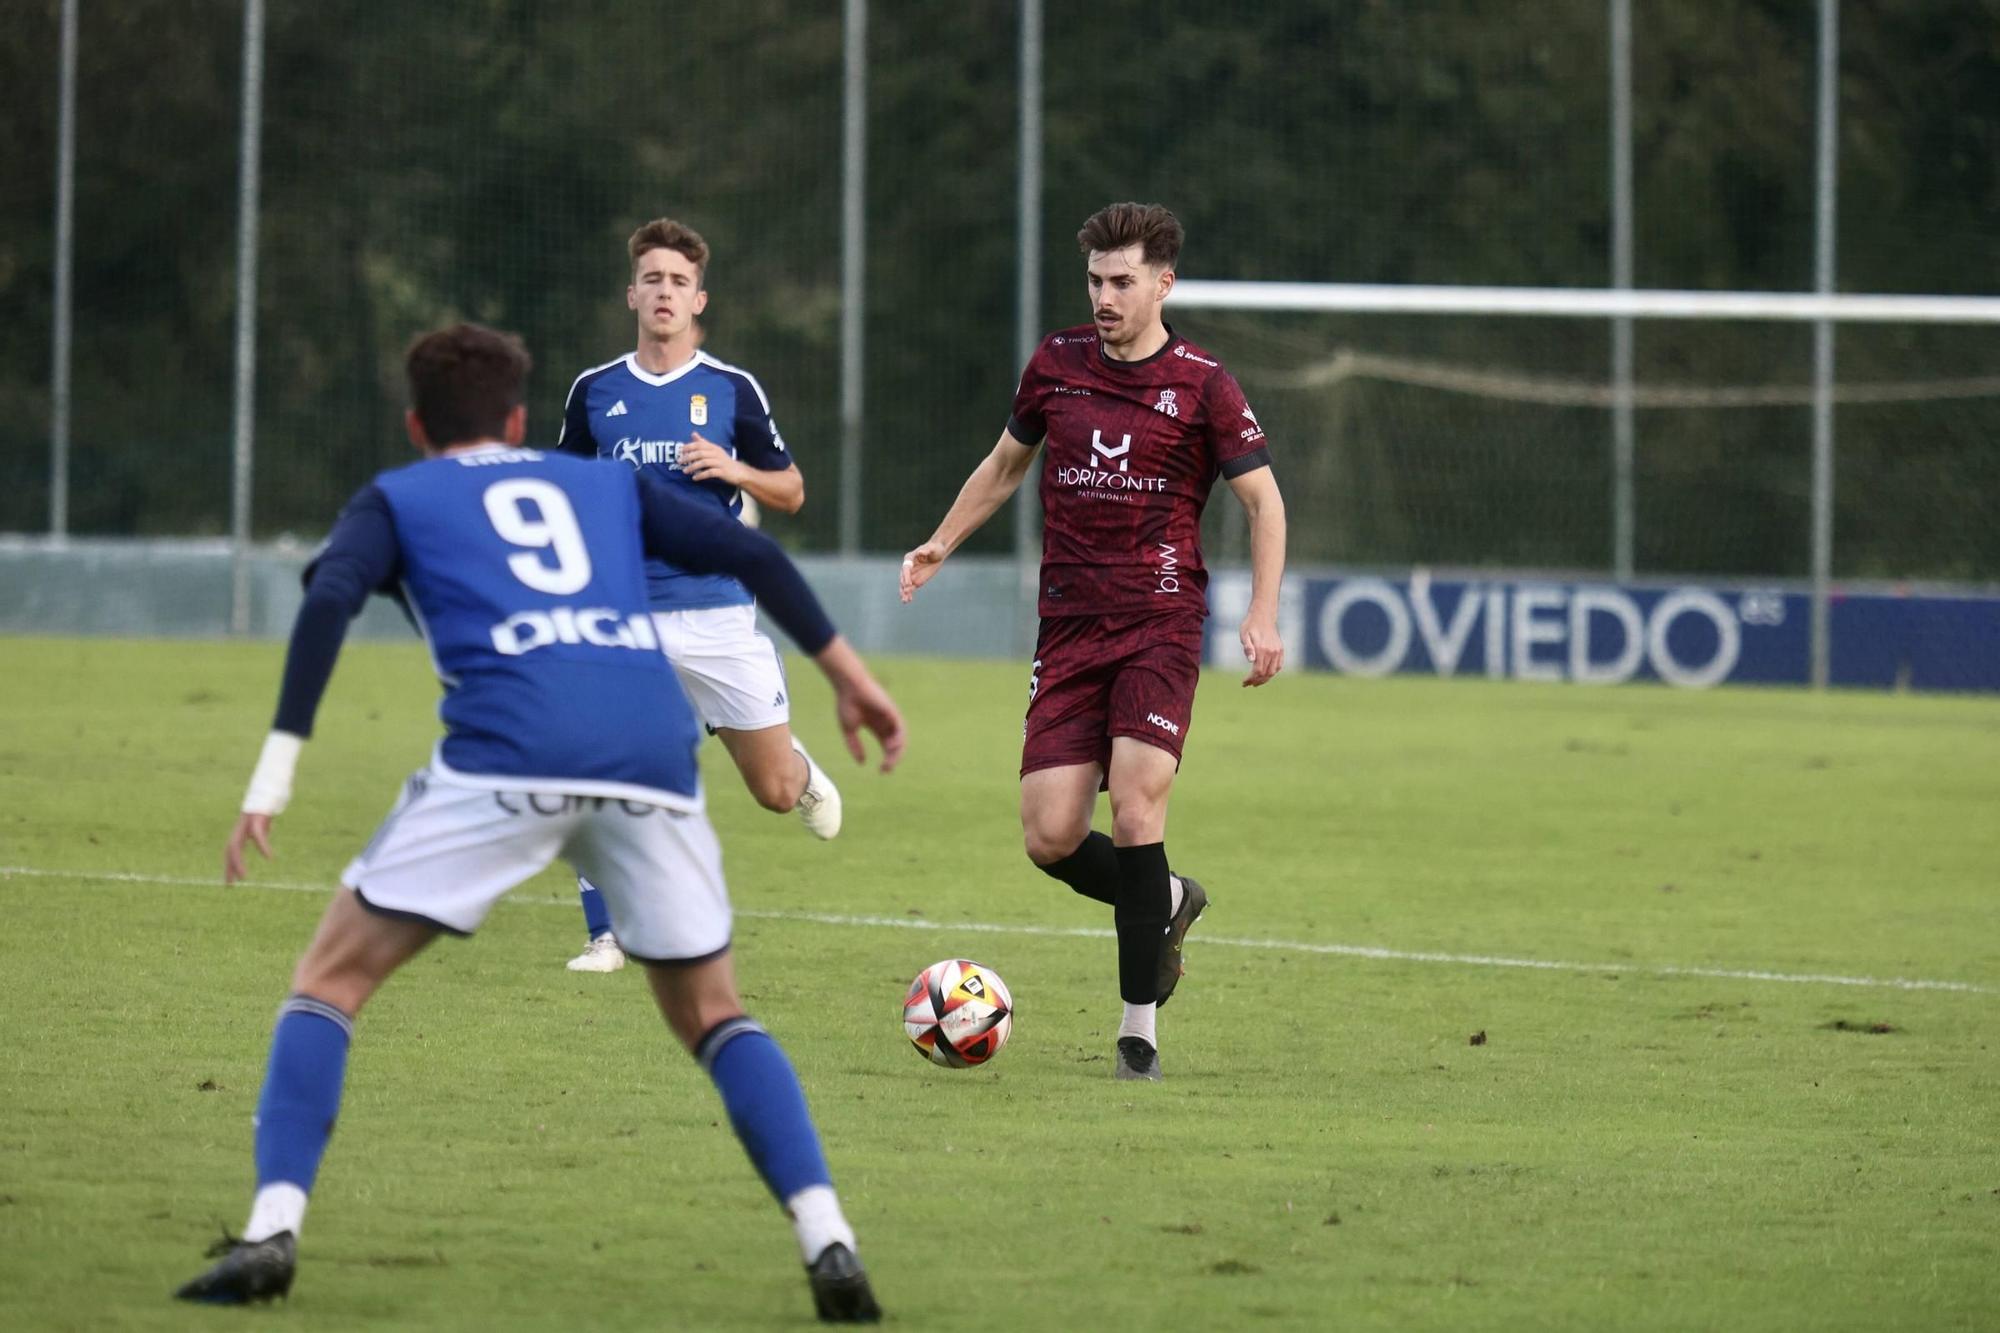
pixel 522 570
pixel 620 410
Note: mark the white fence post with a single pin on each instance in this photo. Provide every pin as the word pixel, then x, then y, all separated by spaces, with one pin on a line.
pixel 245 406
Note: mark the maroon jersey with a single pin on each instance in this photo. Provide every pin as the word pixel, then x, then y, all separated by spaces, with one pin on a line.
pixel 1134 447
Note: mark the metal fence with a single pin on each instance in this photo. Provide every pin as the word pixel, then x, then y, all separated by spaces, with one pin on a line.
pixel 231 218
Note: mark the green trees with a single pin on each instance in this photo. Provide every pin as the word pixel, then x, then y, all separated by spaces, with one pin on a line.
pixel 486 158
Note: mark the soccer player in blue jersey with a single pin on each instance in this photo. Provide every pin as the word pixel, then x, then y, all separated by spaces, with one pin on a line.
pixel 565 735
pixel 703 427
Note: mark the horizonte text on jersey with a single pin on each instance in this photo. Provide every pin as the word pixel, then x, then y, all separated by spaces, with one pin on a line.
pixel 1098 479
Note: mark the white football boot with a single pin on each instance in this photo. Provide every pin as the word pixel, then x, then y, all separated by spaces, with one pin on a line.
pixel 819 803
pixel 603 955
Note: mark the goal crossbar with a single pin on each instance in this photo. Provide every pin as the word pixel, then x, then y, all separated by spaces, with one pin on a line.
pixel 1612 303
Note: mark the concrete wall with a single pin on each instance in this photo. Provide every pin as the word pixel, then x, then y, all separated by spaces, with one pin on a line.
pixel 1893 637
pixel 180 589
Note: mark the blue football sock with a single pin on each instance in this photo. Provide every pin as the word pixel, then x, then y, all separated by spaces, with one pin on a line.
pixel 766 1106
pixel 301 1095
pixel 596 916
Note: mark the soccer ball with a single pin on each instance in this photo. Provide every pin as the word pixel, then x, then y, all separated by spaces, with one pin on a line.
pixel 958 1013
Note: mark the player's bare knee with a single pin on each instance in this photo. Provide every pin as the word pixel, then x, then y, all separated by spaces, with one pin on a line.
pixel 778 786
pixel 690 1023
pixel 1050 841
pixel 693 998
pixel 1139 812
pixel 342 988
pixel 777 794
pixel 332 978
pixel 1050 831
pixel 681 1009
pixel 1135 823
pixel 686 1027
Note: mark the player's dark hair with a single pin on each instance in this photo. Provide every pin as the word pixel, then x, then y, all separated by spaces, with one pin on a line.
pixel 464 380
pixel 1116 226
pixel 667 234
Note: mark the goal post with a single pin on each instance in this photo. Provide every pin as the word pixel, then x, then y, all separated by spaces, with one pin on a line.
pixel 1609 303
pixel 1269 312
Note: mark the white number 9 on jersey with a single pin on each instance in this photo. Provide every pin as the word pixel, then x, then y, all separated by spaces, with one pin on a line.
pixel 549 526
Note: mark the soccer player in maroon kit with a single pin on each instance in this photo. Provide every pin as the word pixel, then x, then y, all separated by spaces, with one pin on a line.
pixel 1138 423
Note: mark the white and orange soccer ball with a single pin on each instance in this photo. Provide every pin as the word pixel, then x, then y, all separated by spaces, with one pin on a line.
pixel 958 1013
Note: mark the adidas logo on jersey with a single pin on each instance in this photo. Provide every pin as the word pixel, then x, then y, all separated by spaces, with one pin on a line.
pixel 618 409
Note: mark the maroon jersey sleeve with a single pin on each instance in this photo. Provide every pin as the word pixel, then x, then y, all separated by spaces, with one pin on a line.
pixel 1029 421
pixel 1234 434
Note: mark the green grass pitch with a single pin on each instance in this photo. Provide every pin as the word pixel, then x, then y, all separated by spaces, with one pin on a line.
pixel 1692 1121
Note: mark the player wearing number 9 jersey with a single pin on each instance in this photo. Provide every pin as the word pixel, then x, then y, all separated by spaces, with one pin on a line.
pixel 539 635
pixel 565 735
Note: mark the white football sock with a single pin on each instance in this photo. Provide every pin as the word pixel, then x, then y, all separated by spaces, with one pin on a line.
pixel 280 1207
pixel 1179 894
pixel 1138 1022
pixel 818 1221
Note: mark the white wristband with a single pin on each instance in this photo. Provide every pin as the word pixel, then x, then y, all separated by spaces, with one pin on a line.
pixel 271 784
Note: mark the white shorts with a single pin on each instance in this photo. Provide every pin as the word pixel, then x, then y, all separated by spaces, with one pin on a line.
pixel 730 670
pixel 448 852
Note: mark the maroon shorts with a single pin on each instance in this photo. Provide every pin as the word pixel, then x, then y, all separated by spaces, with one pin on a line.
pixel 1096 677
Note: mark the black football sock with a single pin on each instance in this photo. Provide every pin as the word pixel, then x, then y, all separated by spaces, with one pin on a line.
pixel 1142 913
pixel 1092 869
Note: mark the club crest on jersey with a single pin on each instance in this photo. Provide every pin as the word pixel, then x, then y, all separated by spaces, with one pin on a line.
pixel 1167 404
pixel 698 409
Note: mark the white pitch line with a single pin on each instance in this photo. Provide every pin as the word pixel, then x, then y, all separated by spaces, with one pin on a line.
pixel 1094 933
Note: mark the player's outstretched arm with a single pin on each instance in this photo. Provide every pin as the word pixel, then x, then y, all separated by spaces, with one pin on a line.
pixel 360 556
pixel 996 478
pixel 696 537
pixel 316 638
pixel 1265 508
pixel 860 704
pixel 255 828
pixel 704 540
